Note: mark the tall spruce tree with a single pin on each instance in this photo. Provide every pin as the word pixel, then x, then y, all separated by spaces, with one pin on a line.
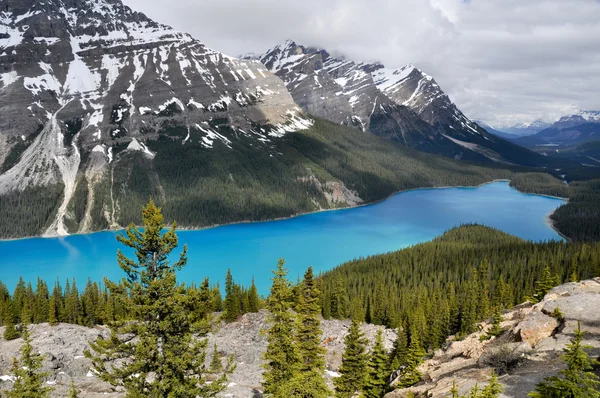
pixel 410 375
pixel 354 363
pixel 253 300
pixel 398 353
pixel 29 380
pixel 377 370
pixel 232 299
pixel 10 331
pixel 578 380
pixel 163 358
pixel 309 380
pixel 281 357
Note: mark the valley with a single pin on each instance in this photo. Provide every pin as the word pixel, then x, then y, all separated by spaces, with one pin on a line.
pixel 320 217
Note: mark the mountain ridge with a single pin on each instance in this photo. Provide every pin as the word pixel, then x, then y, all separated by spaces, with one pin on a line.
pixel 405 105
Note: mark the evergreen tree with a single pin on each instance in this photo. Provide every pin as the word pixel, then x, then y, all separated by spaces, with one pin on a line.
pixel 354 363
pixel 454 393
pixel 216 366
pixel 377 370
pixel 29 381
pixel 309 381
pixel 493 389
pixel 217 299
pixel 166 360
pixel 253 300
pixel 410 375
pixel 398 353
pixel 578 380
pixel 10 331
pixel 73 390
pixel 495 330
pixel 281 357
pixel 41 302
pixel 544 284
pixel 232 299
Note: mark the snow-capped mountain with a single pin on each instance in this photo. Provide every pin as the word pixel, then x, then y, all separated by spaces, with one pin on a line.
pixel 523 129
pixel 567 131
pixel 578 118
pixel 81 80
pixel 405 105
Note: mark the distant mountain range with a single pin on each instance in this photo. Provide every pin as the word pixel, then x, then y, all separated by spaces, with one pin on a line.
pixel 567 131
pixel 404 105
pixel 102 107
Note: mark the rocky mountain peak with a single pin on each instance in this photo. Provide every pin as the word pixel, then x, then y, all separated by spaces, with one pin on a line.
pixel 405 104
pixel 83 80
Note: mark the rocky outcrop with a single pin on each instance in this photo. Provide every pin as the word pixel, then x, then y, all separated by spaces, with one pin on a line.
pixel 468 361
pixel 528 350
pixel 536 328
pixel 62 347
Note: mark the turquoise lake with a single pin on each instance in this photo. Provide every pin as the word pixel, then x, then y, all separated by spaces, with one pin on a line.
pixel 323 239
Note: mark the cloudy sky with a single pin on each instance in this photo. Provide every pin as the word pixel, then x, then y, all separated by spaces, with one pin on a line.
pixel 501 61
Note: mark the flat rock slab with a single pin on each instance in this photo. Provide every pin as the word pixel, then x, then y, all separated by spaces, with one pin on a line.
pixel 584 307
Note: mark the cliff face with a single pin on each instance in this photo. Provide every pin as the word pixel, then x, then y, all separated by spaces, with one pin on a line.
pixel 528 350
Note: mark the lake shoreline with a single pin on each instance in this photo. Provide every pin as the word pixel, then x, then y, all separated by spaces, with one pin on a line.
pixel 548 221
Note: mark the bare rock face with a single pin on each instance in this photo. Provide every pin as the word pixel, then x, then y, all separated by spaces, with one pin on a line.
pixel 83 82
pixel 528 351
pixel 536 328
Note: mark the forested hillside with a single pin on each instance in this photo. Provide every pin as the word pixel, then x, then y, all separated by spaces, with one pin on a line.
pixel 443 286
pixel 236 181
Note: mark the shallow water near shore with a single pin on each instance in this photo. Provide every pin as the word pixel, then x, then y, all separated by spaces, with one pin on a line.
pixel 323 239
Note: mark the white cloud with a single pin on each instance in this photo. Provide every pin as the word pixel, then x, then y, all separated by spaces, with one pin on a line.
pixel 499 60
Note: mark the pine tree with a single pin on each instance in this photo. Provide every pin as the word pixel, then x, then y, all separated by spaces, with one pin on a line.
pixel 216 366
pixel 232 302
pixel 410 375
pixel 10 331
pixel 166 360
pixel 253 300
pixel 41 302
pixel 398 353
pixel 377 370
pixel 354 363
pixel 495 330
pixel 29 381
pixel 578 380
pixel 73 390
pixel 309 380
pixel 494 388
pixel 544 284
pixel 454 390
pixel 281 357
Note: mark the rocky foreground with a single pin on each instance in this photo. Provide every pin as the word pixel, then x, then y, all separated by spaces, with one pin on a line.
pixel 527 352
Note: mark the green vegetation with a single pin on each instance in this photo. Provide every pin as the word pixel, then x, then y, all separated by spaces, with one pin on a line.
pixel 492 390
pixel 29 380
pixel 246 180
pixel 580 218
pixel 166 360
pixel 444 286
pixel 29 212
pixel 281 357
pixel 578 380
pixel 354 363
pixel 377 370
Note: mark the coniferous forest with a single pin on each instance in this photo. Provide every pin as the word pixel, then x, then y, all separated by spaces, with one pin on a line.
pixel 427 292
